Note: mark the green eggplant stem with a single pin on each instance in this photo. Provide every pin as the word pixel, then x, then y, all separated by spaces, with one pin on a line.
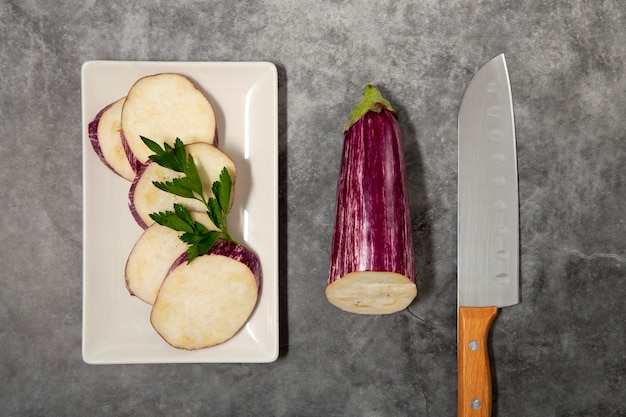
pixel 372 100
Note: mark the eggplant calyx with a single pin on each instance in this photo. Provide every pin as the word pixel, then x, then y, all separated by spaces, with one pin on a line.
pixel 372 100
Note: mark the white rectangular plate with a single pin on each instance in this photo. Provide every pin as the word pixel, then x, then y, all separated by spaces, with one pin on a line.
pixel 116 325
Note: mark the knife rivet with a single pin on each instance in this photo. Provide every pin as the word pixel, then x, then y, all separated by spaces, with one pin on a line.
pixel 503 278
pixel 473 345
pixel 475 404
pixel 502 254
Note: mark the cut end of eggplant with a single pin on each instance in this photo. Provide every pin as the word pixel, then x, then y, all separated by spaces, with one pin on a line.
pixel 153 256
pixel 106 139
pixel 204 303
pixel 371 292
pixel 163 107
pixel 242 254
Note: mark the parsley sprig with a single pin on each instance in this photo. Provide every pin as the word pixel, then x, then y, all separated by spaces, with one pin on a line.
pixel 199 238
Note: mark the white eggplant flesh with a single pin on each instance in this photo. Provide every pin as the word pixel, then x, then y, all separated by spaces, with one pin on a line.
pixel 106 139
pixel 241 254
pixel 152 257
pixel 163 107
pixel 144 198
pixel 205 302
pixel 372 267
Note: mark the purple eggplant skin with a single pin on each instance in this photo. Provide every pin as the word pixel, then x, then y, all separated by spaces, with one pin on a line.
pixel 92 131
pixel 132 159
pixel 372 224
pixel 231 250
pixel 239 253
pixel 131 194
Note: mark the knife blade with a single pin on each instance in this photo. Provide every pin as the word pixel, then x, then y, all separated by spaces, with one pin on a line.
pixel 488 227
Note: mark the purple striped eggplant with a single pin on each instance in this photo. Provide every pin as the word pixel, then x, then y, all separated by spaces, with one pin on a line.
pixel 372 268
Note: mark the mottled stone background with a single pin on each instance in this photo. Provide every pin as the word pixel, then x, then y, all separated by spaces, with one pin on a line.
pixel 561 352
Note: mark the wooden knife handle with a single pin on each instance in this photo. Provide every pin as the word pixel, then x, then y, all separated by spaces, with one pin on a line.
pixel 473 357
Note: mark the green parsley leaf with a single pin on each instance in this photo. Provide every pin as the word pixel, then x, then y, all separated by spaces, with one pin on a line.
pixel 199 238
pixel 154 147
pixel 168 157
pixel 215 213
pixel 201 228
pixel 178 186
pixel 221 190
pixel 207 241
pixel 182 212
pixel 193 176
pixel 225 189
pixel 180 155
pixel 173 221
pixel 199 244
pixel 192 253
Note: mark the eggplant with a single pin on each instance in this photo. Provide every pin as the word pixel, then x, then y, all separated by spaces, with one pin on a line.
pixel 154 254
pixel 372 261
pixel 144 198
pixel 164 107
pixel 106 139
pixel 206 302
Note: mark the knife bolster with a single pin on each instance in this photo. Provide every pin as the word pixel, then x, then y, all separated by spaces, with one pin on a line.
pixel 474 375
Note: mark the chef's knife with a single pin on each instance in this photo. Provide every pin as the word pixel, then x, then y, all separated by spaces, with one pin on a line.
pixel 488 227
